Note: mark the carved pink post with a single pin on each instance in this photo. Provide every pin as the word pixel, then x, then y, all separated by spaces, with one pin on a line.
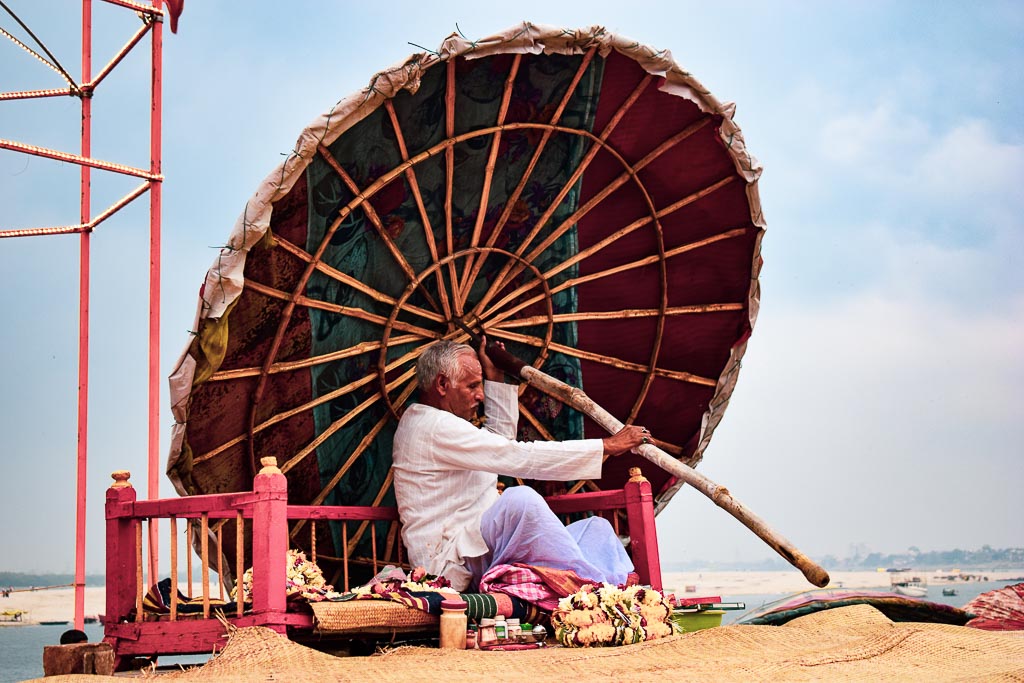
pixel 122 583
pixel 642 533
pixel 270 544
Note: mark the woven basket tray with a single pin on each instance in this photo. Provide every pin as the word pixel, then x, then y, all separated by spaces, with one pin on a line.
pixel 372 617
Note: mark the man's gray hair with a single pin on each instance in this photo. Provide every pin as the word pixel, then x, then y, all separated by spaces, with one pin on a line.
pixel 441 358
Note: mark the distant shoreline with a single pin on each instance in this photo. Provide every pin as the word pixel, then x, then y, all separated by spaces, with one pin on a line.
pixel 725 583
pixel 58 604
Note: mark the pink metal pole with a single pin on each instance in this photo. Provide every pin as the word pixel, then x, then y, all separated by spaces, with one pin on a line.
pixel 83 324
pixel 155 133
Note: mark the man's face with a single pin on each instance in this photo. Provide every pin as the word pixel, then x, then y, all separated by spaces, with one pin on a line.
pixel 462 395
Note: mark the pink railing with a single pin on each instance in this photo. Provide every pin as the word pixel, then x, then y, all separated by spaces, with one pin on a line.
pixel 266 511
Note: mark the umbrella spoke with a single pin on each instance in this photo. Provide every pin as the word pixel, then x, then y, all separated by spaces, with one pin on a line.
pixel 428 231
pixel 339 423
pixel 631 172
pixel 449 171
pixel 354 541
pixel 620 314
pixel 280 417
pixel 602 359
pixel 350 311
pixel 352 282
pixel 309 405
pixel 312 361
pixel 357 452
pixel 654 258
pixel 616 184
pixel 510 204
pixel 382 232
pixel 472 265
pixel 573 282
pixel 574 178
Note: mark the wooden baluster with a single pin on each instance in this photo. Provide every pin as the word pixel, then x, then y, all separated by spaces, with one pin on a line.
pixel 398 527
pixel 389 543
pixel 373 545
pixel 139 580
pixel 344 552
pixel 204 545
pixel 220 561
pixel 312 541
pixel 189 529
pixel 174 568
pixel 239 562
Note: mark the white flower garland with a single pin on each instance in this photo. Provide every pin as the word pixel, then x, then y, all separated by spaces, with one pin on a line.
pixel 305 580
pixel 608 615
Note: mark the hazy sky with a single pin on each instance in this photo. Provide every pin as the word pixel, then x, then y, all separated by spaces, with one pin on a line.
pixel 881 402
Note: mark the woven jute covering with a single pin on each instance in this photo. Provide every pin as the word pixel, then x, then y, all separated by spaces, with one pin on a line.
pixel 370 617
pixel 854 643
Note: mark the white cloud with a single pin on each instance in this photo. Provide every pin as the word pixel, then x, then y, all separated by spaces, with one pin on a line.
pixel 967 167
pixel 872 139
pixel 970 162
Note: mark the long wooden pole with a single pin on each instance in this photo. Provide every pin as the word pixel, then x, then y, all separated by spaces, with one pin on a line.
pixel 720 495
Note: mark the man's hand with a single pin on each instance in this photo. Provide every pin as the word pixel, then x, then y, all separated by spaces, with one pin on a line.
pixel 626 439
pixel 491 371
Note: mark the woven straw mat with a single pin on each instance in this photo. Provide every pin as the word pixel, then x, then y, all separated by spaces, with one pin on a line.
pixel 855 643
pixel 370 616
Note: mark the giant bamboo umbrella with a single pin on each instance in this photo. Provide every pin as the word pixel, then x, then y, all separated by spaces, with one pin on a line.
pixel 576 194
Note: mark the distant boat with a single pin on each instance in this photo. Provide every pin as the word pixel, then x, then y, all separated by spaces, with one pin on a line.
pixel 949 591
pixel 53 623
pixel 915 588
pixel 910 590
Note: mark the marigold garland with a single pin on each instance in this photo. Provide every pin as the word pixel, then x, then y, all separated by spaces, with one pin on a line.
pixel 603 615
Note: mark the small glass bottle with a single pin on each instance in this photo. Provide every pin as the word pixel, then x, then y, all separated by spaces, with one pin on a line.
pixel 500 627
pixel 513 628
pixel 485 634
pixel 453 624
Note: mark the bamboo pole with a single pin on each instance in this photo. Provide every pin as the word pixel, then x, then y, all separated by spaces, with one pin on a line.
pixel 720 495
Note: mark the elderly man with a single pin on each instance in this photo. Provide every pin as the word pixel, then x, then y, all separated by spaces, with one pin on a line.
pixel 455 523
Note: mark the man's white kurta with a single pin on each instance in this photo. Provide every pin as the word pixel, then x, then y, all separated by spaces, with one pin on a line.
pixel 446 476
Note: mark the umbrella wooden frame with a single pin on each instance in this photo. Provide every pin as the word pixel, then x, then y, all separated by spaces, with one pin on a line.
pixel 506 298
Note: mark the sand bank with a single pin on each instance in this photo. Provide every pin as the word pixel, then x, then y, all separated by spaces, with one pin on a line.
pixel 55 604
pixel 727 583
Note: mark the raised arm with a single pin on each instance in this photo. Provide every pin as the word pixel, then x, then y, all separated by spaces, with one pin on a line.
pixel 491 371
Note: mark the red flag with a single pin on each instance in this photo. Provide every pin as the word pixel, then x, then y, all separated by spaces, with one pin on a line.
pixel 174 8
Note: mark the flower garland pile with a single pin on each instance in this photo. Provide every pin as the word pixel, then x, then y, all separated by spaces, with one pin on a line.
pixel 607 615
pixel 394 580
pixel 305 580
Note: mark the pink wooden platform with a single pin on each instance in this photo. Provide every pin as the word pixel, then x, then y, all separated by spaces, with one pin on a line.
pixel 131 634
